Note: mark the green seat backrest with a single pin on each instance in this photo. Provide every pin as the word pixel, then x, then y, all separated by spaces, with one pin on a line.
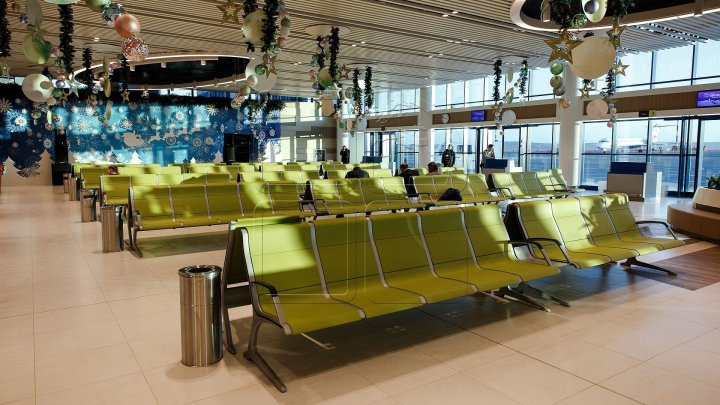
pixel 193 178
pixel 486 229
pixel 335 174
pixel 285 196
pixel 311 175
pixel 618 208
pixel 425 184
pixel 218 169
pixel 537 220
pixel 189 200
pixel 345 251
pixel 198 169
pixel 395 189
pixel 91 176
pixel 569 220
pixel 77 166
pixel 245 168
pixel 152 201
pixel 518 181
pixel 531 182
pixel 165 179
pixel 504 180
pixel 398 242
pixel 254 198
pixel 296 176
pixel 251 176
pixel 545 181
pixel 478 184
pixel 131 170
pixel 422 170
pixel 115 187
pixel 272 175
pixel 282 255
pixel 373 193
pixel 292 167
pixel 444 182
pixel 212 178
pixel 379 172
pixel 350 191
pixel 272 168
pixel 596 216
pixel 326 190
pixel 445 236
pixel 556 175
pixel 224 199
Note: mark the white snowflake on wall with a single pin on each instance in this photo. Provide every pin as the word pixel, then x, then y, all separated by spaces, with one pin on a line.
pixel 89 111
pixel 212 110
pixel 171 140
pixel 5 106
pixel 209 141
pixel 180 116
pixel 20 121
pixel 83 126
pixel 49 126
pixel 197 142
pixel 126 123
pixel 47 144
pixel 74 109
pixel 132 105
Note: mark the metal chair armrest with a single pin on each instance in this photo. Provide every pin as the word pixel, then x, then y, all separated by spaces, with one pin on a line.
pixel 559 245
pixel 530 243
pixel 663 223
pixel 269 287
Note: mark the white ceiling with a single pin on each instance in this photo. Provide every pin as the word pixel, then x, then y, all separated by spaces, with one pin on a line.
pixel 399 36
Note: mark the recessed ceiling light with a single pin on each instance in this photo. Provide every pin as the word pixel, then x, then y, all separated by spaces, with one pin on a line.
pixel 430 56
pixel 354 45
pixel 455 12
pixel 96 39
pixel 445 15
pixel 362 42
pixel 440 54
pixel 203 62
pixel 163 65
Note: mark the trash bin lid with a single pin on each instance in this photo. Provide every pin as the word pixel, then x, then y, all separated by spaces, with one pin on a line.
pixel 200 285
pixel 199 270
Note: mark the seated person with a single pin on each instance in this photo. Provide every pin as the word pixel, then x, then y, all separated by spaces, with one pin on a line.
pixel 407 174
pixel 433 169
pixel 112 170
pixel 357 173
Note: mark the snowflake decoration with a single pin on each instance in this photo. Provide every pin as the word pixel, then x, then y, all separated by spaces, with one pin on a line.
pixel 132 105
pixel 47 144
pixel 186 138
pixel 212 110
pixel 166 110
pixel 103 137
pixel 272 132
pixel 24 111
pixel 18 101
pixel 155 109
pixel 171 140
pixel 197 142
pixel 126 123
pixel 89 111
pixel 239 126
pixel 30 171
pixel 49 126
pixel 261 136
pixel 118 137
pixel 83 126
pixel 5 106
pixel 222 128
pixel 180 116
pixel 209 141
pixel 20 121
pixel 74 109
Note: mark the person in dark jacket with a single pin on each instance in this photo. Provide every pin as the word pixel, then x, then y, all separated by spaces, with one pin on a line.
pixel 448 157
pixel 345 155
pixel 357 173
pixel 407 174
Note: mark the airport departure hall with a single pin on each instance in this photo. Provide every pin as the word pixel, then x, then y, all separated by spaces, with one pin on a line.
pixel 360 202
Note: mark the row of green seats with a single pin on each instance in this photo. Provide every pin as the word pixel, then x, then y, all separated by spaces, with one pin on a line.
pixel 340 174
pixel 182 206
pixel 587 231
pixel 473 189
pixel 114 189
pixel 296 176
pixel 337 271
pixel 349 196
pixel 148 169
pixel 524 185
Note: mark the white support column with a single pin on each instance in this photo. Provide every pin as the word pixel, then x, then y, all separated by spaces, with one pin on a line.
pixel 425 126
pixel 570 120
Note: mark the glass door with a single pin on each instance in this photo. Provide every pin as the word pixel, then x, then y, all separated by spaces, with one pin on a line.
pixel 708 154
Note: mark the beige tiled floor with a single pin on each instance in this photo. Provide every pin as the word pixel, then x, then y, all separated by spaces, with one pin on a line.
pixel 81 327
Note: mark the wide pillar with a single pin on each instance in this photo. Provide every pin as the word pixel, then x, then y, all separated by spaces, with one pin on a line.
pixel 570 119
pixel 425 127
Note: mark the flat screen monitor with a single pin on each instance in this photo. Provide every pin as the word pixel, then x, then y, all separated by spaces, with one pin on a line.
pixel 477 116
pixel 709 98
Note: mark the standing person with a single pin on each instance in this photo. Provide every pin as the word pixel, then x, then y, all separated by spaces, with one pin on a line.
pixel 345 155
pixel 488 153
pixel 448 157
pixel 433 169
pixel 357 173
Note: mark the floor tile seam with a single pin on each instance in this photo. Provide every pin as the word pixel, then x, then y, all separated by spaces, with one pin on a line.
pixel 84 384
pixel 259 384
pixel 676 318
pixel 716 386
pixel 91 324
pixel 675 374
pixel 605 388
pixel 395 395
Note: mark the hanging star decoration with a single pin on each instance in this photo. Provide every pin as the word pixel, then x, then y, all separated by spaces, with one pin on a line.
pixel 145 94
pixel 615 33
pixel 230 12
pixel 562 46
pixel 345 73
pixel 585 92
pixel 619 69
pixel 74 86
pixel 64 97
pixel 125 95
pixel 4 70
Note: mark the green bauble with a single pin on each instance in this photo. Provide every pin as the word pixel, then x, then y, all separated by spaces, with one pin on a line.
pixel 261 70
pixel 285 22
pixel 556 68
pixel 245 90
pixel 579 21
pixel 57 93
pixel 36 49
pixel 325 80
pixel 97 5
pixel 556 82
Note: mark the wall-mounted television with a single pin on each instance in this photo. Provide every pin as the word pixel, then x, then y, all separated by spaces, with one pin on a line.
pixel 710 98
pixel 477 116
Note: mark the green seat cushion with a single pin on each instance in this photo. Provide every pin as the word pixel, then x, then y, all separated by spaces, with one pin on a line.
pixel 525 270
pixel 372 296
pixel 434 289
pixel 266 220
pixel 483 279
pixel 154 223
pixel 665 243
pixel 641 248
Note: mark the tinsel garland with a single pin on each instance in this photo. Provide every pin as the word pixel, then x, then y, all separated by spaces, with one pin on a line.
pixel 334 51
pixel 46 71
pixel 561 13
pixel 248 7
pixel 87 64
pixel 338 102
pixel 269 28
pixel 125 75
pixel 369 94
pixel 67 28
pixel 261 105
pixel 5 34
pixel 610 84
pixel 356 92
pixel 619 8
pixel 524 71
pixel 498 80
pixel 321 54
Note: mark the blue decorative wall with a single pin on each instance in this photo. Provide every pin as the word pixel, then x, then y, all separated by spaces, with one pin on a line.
pixel 158 133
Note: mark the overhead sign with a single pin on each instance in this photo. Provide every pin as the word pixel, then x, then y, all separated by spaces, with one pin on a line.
pixel 709 98
pixel 477 116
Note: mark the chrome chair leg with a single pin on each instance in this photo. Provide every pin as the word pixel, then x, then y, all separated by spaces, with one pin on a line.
pixel 254 356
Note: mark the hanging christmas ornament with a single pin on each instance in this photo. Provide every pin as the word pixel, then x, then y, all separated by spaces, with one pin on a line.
pixel 564 102
pixel 557 68
pixel 135 49
pixel 37 87
pixel 111 12
pixel 97 5
pixel 33 13
pixel 36 49
pixel 562 47
pixel 556 82
pixel 596 109
pixel 595 10
pixel 593 58
pixel 252 28
pixel 619 68
pixel 230 12
pixel 615 33
pixel 67 28
pixel 126 25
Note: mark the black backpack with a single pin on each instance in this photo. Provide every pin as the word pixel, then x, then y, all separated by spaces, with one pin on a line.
pixel 451 194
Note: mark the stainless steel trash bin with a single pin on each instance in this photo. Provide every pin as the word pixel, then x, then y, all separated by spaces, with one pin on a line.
pixel 87 207
pixel 200 315
pixel 72 189
pixel 66 182
pixel 112 229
